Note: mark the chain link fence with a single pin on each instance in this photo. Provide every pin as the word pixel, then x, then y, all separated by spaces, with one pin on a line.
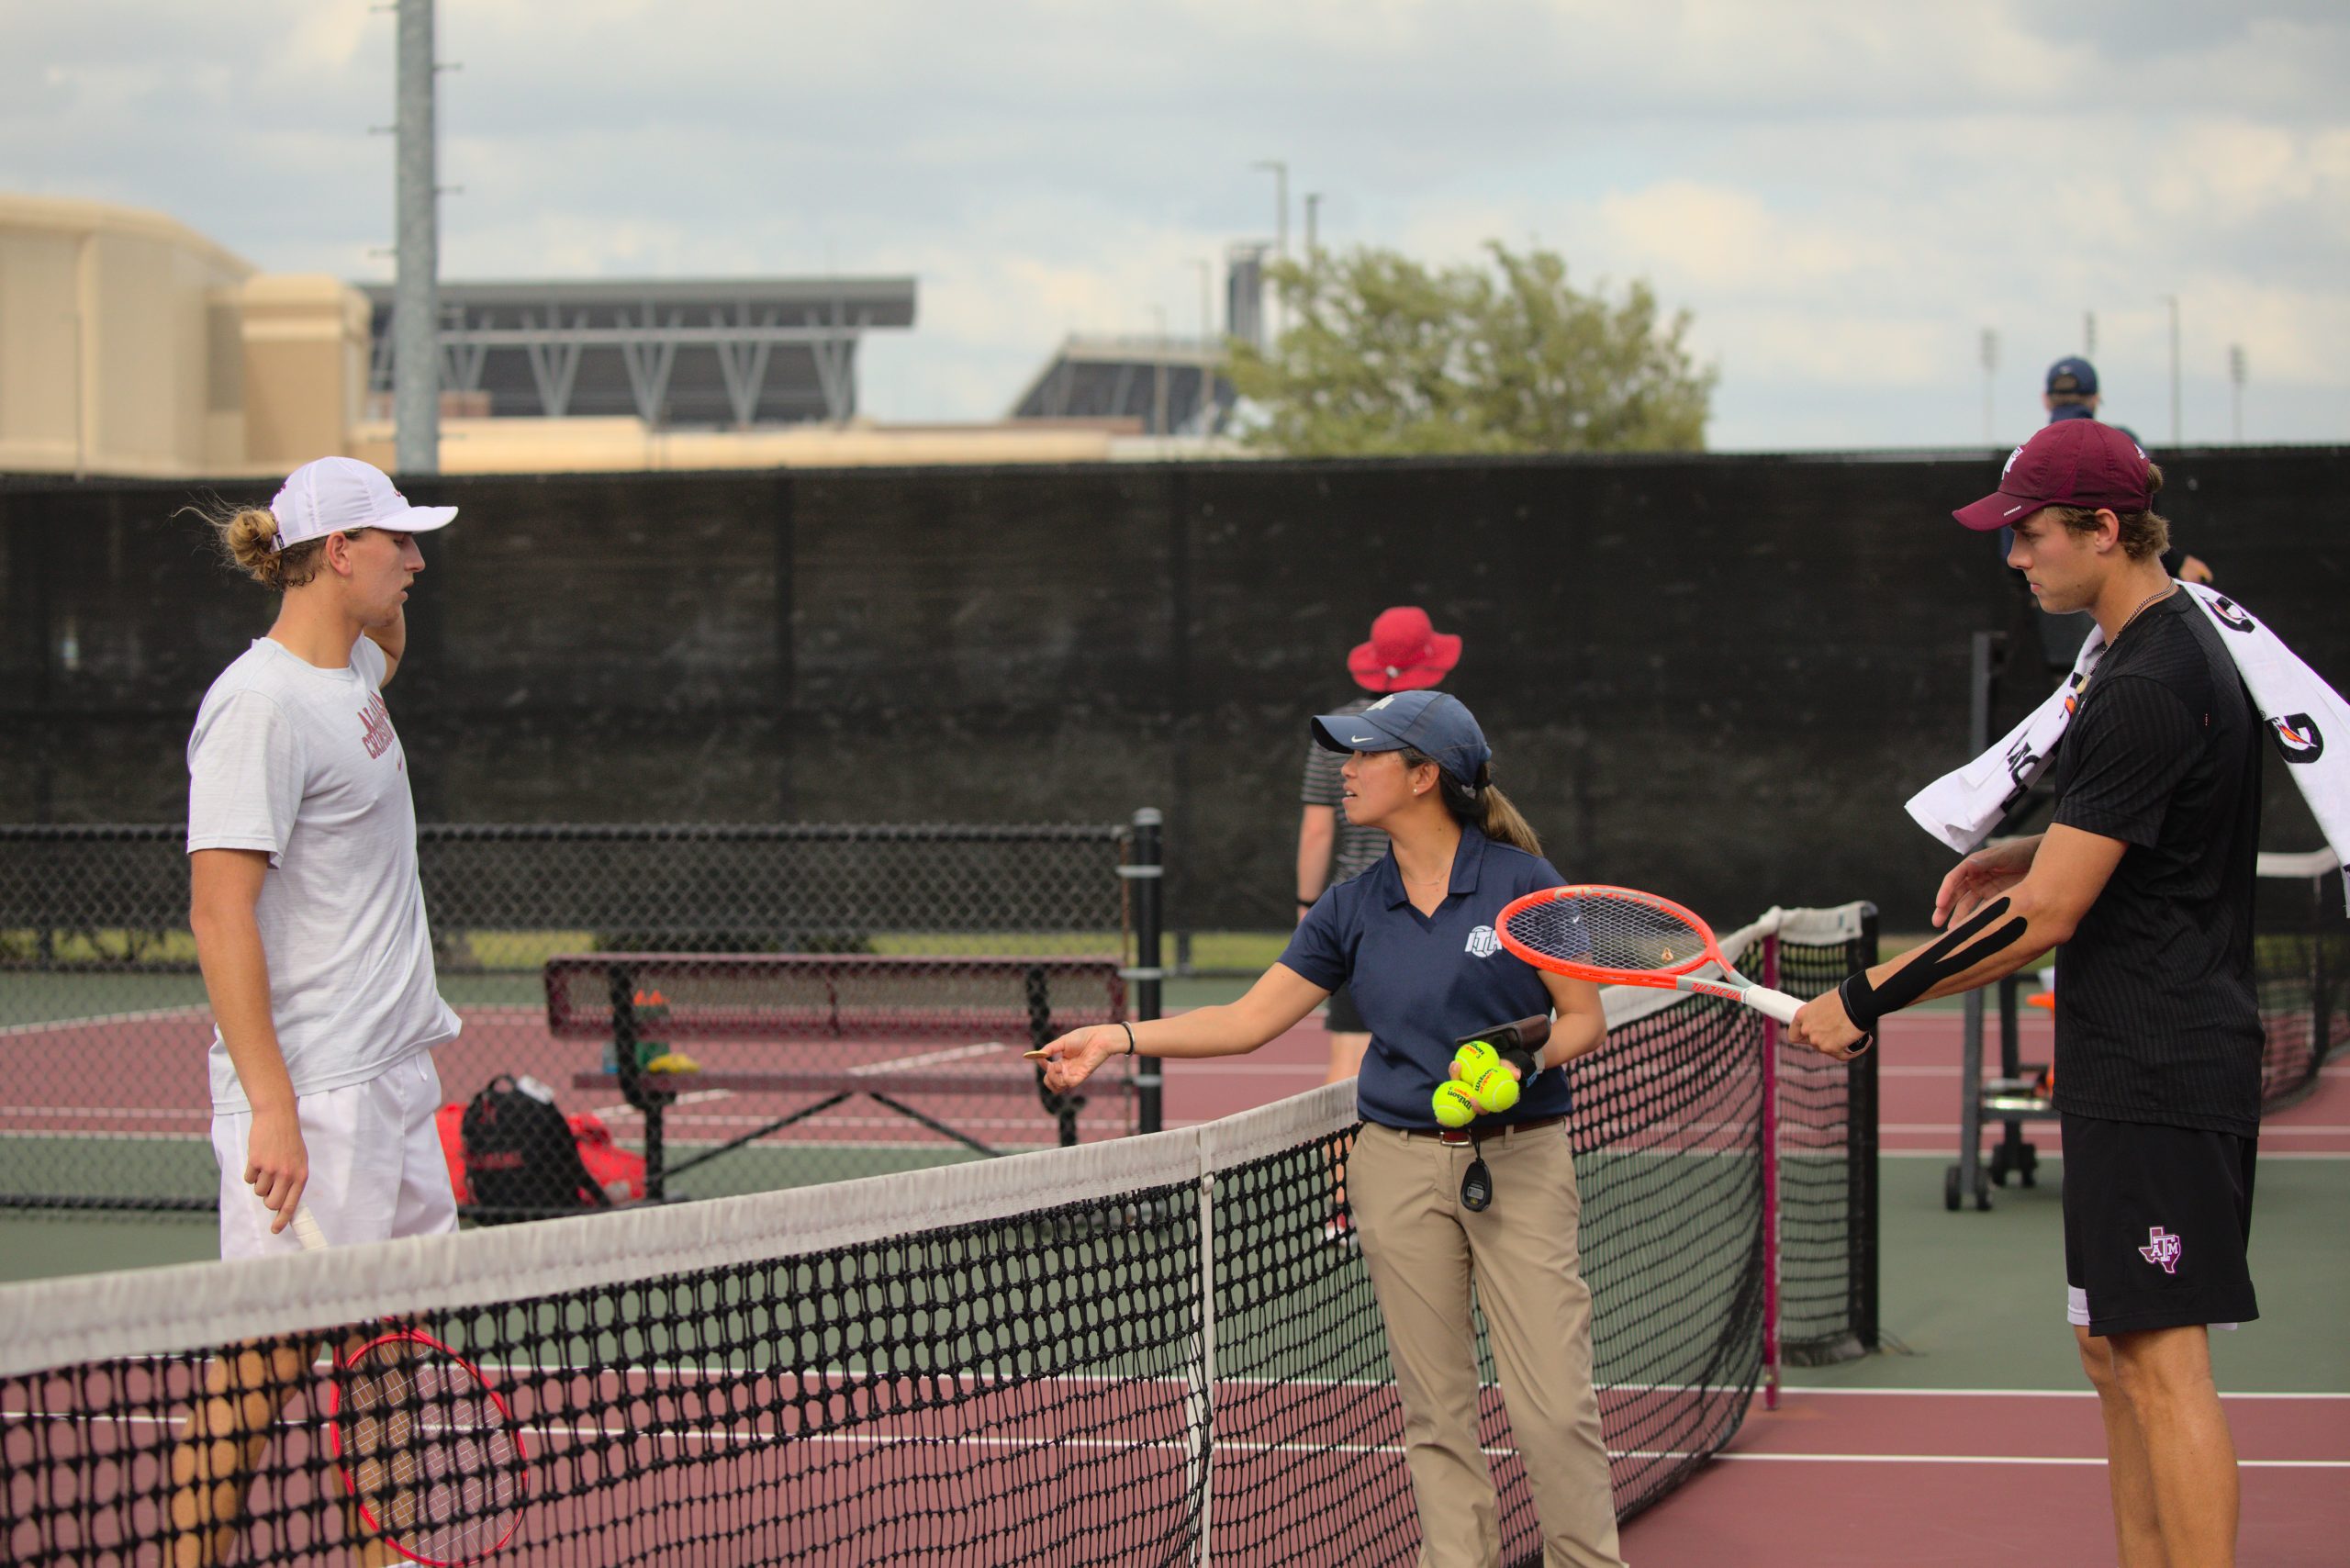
pixel 103 1023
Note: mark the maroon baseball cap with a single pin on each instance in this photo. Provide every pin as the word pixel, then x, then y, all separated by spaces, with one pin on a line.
pixel 2073 463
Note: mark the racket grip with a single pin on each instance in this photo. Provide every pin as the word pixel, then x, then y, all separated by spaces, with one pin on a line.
pixel 1771 1004
pixel 306 1229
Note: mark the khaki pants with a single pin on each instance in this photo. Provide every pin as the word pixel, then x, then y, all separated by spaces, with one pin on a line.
pixel 1424 1250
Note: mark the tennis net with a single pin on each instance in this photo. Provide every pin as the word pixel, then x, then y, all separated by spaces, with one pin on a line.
pixel 1151 1350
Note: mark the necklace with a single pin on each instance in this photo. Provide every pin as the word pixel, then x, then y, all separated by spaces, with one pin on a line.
pixel 2163 592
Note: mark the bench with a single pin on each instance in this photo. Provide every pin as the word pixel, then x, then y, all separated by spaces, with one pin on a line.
pixel 968 1011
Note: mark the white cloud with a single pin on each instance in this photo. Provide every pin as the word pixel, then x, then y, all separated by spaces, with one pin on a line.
pixel 1844 196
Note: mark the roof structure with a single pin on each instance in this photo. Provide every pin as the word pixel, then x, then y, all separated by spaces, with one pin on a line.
pixel 1173 385
pixel 674 351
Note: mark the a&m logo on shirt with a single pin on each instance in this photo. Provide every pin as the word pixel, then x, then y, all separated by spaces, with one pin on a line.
pixel 2161 1248
pixel 1482 943
pixel 376 727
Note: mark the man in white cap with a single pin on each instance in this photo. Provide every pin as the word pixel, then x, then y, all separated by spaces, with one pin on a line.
pixel 303 895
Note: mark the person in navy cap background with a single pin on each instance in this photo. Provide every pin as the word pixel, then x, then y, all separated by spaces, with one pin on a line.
pixel 2070 392
pixel 1414 937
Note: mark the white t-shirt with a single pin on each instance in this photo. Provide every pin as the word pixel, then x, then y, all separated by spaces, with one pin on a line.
pixel 303 763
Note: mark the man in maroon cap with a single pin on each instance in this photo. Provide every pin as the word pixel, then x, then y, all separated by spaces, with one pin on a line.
pixel 2143 885
pixel 1405 653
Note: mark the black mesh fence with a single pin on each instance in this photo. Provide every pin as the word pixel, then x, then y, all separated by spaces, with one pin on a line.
pixel 2302 960
pixel 939 953
pixel 1827 1116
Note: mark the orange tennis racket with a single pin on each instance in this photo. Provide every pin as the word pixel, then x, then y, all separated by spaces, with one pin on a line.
pixel 1622 936
pixel 429 1451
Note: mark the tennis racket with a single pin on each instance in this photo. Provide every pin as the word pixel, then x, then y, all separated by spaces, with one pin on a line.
pixel 1620 936
pixel 428 1449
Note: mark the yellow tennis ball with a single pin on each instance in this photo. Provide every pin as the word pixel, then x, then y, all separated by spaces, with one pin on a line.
pixel 1454 1105
pixel 1494 1087
pixel 1474 1055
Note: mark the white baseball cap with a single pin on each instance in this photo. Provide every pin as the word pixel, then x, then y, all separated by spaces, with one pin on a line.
pixel 336 494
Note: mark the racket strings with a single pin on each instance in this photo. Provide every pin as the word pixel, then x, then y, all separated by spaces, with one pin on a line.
pixel 1601 931
pixel 434 1464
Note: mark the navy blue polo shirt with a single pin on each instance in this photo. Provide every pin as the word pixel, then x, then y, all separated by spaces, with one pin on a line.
pixel 1424 981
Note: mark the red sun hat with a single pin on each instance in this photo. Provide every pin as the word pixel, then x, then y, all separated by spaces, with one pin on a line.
pixel 2073 463
pixel 1405 653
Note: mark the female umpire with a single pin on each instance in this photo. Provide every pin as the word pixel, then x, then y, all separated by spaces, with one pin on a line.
pixel 1413 936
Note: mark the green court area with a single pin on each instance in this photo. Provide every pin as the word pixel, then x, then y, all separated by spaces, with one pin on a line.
pixel 1976 1300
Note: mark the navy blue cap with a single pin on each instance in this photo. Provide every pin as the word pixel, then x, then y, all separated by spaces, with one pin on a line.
pixel 2073 373
pixel 1433 724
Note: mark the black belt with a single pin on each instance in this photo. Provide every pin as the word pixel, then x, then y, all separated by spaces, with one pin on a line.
pixel 1460 1135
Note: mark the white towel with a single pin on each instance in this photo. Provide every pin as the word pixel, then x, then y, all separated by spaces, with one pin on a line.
pixel 2300 709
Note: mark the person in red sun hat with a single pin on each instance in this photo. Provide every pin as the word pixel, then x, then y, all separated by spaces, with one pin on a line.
pixel 1405 653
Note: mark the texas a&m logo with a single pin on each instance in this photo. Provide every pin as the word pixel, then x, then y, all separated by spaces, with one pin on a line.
pixel 2297 737
pixel 2161 1248
pixel 376 727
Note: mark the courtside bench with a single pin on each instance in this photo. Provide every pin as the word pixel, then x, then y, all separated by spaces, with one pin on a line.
pixel 966 1019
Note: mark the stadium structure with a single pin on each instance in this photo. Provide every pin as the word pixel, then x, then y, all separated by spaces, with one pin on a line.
pixel 705 351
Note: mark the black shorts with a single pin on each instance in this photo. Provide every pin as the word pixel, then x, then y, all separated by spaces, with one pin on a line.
pixel 2157 1220
pixel 1342 1018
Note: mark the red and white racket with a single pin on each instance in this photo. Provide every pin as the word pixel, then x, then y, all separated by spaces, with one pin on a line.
pixel 1621 936
pixel 428 1449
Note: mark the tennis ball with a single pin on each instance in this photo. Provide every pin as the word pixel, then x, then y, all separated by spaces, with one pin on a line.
pixel 1494 1087
pixel 1454 1105
pixel 1474 1055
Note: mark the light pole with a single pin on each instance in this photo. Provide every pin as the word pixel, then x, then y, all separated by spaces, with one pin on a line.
pixel 1313 211
pixel 415 293
pixel 1159 373
pixel 2088 334
pixel 1281 224
pixel 1991 367
pixel 1207 340
pixel 2235 382
pixel 2172 300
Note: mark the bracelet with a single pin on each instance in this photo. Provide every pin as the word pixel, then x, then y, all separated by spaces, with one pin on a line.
pixel 1305 903
pixel 1859 1001
pixel 1129 1028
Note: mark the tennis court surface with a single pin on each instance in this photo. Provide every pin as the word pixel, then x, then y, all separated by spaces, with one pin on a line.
pixel 1155 1348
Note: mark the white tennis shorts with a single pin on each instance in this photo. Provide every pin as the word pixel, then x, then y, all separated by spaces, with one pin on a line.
pixel 376 1168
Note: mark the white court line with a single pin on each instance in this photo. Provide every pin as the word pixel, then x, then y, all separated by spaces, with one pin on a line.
pixel 146 1015
pixel 1997 1460
pixel 2024 1392
pixel 1950 1130
pixel 719 1437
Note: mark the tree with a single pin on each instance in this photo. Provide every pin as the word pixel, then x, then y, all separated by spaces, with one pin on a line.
pixel 1384 358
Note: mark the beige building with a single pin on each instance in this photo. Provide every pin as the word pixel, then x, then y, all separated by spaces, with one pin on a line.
pixel 130 344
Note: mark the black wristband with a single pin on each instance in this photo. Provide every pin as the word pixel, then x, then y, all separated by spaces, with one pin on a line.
pixel 1129 1028
pixel 1305 903
pixel 1859 1001
pixel 1521 1058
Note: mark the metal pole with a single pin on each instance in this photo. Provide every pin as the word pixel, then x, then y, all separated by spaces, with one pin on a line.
pixel 416 291
pixel 2235 384
pixel 2088 334
pixel 1148 874
pixel 1280 227
pixel 1207 340
pixel 1990 365
pixel 2172 300
pixel 1313 212
pixel 1158 371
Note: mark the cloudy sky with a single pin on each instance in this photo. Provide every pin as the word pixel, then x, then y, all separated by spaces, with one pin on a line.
pixel 1844 195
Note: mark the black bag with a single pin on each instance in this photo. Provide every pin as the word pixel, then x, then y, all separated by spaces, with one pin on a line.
pixel 521 1161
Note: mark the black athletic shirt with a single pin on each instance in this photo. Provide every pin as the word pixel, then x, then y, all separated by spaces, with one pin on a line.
pixel 2156 1016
